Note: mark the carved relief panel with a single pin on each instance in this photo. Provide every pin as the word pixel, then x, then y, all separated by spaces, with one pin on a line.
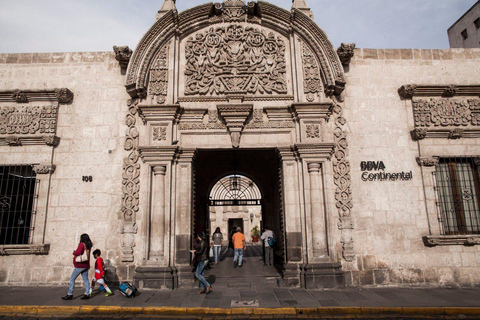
pixel 235 59
pixel 158 79
pixel 312 83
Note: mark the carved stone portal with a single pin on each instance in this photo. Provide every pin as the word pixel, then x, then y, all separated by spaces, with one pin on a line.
pixel 235 60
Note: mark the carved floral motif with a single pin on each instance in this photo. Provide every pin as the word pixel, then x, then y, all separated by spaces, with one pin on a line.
pixel 159 76
pixel 312 83
pixel 342 180
pixel 28 119
pixel 313 131
pixel 131 184
pixel 418 134
pixel 44 169
pixel 159 133
pixel 446 112
pixel 235 59
pixel 19 96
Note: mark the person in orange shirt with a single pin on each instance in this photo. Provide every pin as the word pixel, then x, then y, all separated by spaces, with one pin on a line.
pixel 239 245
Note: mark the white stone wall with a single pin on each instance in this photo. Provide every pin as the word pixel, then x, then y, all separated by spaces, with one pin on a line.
pixel 390 216
pixel 92 133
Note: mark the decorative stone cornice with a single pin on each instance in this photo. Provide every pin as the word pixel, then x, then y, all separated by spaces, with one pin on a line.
pixel 345 53
pixel 61 95
pixel 235 116
pixel 312 110
pixel 24 140
pixel 13 141
pixel 408 91
pixel 323 150
pixel 465 240
pixel 427 161
pixel 44 168
pixel 159 113
pixel 444 133
pixel 122 55
pixel 22 249
pixel 157 154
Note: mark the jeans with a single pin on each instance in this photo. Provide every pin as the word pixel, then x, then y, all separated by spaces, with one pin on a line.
pixel 199 274
pixel 76 272
pixel 216 252
pixel 238 256
pixel 268 255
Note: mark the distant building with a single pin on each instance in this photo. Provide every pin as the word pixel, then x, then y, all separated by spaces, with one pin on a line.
pixel 465 32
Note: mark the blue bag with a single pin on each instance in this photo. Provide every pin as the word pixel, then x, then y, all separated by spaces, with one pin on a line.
pixel 272 242
pixel 127 289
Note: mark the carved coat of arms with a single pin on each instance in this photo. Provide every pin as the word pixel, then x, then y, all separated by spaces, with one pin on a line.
pixel 235 59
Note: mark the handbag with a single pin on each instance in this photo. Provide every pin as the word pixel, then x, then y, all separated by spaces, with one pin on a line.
pixel 210 253
pixel 83 257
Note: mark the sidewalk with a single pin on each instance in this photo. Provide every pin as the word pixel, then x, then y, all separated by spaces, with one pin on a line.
pixel 266 300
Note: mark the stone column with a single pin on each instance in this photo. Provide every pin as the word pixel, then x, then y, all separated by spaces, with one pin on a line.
pixel 157 215
pixel 317 211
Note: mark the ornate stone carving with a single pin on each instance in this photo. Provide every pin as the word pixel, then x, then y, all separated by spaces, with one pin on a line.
pixel 13 141
pixel 131 183
pixel 122 55
pixel 44 168
pixel 407 91
pixel 51 140
pixel 446 112
pixel 313 131
pixel 342 180
pixel 345 53
pixel 455 134
pixel 159 133
pixel 235 60
pixel 22 249
pixel 63 95
pixel 312 84
pixel 19 96
pixel 28 119
pixel 234 10
pixel 418 134
pixel 465 240
pixel 427 161
pixel 450 91
pixel 235 117
pixel 159 76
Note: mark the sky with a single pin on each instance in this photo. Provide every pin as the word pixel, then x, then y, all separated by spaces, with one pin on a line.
pixel 98 25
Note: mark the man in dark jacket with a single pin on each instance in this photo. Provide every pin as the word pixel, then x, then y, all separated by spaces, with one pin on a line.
pixel 201 259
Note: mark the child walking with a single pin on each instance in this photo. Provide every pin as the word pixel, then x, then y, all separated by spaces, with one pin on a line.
pixel 99 273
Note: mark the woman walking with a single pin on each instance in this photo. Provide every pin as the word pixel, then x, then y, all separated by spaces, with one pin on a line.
pixel 81 262
pixel 217 238
pixel 201 260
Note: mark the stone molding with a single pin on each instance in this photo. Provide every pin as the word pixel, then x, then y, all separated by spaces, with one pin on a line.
pixel 346 52
pixel 427 161
pixel 322 150
pixel 60 95
pixel 122 55
pixel 314 167
pixel 235 117
pixel 15 141
pixel 44 168
pixel 465 240
pixel 156 154
pixel 23 249
pixel 159 113
pixel 423 133
pixel 409 91
pixel 244 98
pixel 312 111
pixel 192 20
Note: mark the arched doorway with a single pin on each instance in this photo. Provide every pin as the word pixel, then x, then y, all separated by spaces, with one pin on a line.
pixel 235 187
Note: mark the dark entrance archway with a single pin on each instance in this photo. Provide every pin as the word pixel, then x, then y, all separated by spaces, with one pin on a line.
pixel 259 165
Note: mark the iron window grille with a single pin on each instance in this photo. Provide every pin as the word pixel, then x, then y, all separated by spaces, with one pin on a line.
pixel 235 190
pixel 457 193
pixel 18 204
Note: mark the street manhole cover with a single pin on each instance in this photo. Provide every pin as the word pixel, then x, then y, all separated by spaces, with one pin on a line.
pixel 252 303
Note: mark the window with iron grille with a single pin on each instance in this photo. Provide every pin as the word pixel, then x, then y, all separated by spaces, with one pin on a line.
pixel 458 195
pixel 18 195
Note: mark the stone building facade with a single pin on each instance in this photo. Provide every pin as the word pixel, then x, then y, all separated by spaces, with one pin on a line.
pixel 366 160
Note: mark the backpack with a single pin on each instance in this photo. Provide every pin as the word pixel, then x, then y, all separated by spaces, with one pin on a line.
pixel 127 289
pixel 272 242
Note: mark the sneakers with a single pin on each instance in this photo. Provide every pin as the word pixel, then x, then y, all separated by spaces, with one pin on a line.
pixel 85 297
pixel 108 294
pixel 68 297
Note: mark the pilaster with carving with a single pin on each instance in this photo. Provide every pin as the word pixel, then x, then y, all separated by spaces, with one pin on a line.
pixel 158 84
pixel 342 180
pixel 312 83
pixel 131 184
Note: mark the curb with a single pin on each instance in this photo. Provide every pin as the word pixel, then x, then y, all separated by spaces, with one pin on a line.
pixel 105 310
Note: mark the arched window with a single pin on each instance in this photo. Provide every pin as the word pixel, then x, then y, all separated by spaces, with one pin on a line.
pixel 235 190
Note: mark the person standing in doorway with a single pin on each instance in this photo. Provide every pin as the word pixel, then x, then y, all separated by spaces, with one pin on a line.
pixel 266 235
pixel 217 238
pixel 239 245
